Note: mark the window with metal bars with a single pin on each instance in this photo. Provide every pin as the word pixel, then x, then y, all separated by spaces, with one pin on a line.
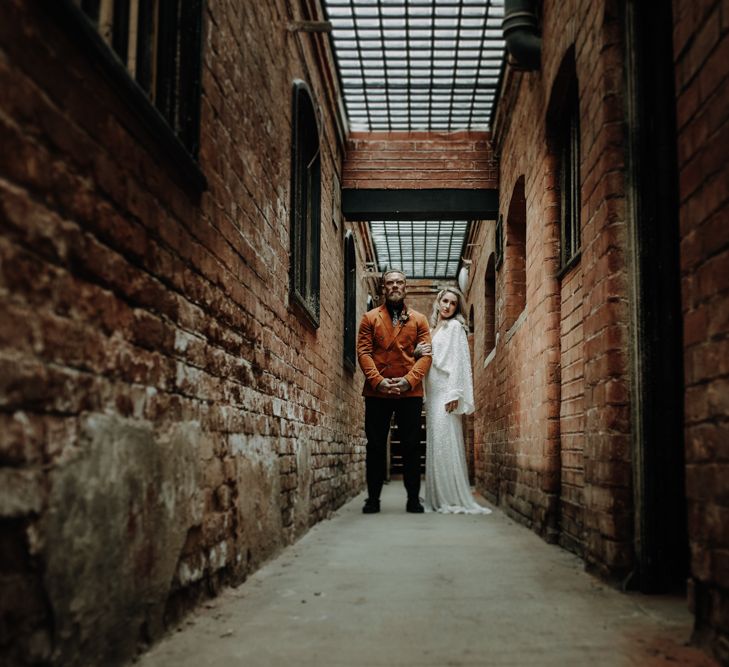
pixel 159 44
pixel 305 204
pixel 569 182
pixel 350 300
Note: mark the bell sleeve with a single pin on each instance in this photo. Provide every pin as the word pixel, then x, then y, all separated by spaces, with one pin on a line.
pixel 452 357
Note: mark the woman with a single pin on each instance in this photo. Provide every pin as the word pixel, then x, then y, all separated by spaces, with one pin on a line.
pixel 448 396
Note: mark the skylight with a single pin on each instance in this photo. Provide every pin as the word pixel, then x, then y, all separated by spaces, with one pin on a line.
pixel 409 65
pixel 422 249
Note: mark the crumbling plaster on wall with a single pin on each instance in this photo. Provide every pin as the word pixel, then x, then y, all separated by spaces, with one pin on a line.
pixel 118 513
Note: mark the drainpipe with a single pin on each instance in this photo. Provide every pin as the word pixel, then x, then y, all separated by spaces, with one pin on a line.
pixel 520 32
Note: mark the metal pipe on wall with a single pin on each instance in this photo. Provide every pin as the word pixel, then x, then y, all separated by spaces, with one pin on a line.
pixel 521 34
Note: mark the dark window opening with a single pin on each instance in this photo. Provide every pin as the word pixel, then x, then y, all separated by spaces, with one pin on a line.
pixel 159 43
pixel 489 329
pixel 350 300
pixel 305 204
pixel 92 8
pixel 499 242
pixel 120 29
pixel 569 183
pixel 515 256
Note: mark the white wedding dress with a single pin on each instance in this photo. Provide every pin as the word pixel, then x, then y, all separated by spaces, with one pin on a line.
pixel 446 476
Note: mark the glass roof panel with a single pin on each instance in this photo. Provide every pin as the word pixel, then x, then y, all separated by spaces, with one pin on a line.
pixel 409 65
pixel 451 50
pixel 423 249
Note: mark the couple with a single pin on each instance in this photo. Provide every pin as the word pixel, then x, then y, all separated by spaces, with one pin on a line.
pixel 394 351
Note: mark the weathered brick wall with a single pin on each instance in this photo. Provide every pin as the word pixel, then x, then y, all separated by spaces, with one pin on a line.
pixel 608 512
pixel 488 440
pixel 422 293
pixel 552 445
pixel 420 160
pixel 514 414
pixel 701 50
pixel 572 412
pixel 166 421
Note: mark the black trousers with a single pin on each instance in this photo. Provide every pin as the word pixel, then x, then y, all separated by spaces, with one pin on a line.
pixel 378 412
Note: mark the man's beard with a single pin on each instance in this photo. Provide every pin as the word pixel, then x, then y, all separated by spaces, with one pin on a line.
pixel 396 301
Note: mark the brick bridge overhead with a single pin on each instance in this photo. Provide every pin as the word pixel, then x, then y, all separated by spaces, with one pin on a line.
pixel 420 176
pixel 420 160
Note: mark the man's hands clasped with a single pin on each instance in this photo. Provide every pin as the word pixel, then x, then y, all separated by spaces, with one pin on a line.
pixel 394 386
pixel 397 386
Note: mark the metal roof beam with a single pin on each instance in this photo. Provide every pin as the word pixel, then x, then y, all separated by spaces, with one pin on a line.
pixel 435 204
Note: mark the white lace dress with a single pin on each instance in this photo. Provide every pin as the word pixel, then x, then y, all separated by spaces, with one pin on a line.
pixel 446 476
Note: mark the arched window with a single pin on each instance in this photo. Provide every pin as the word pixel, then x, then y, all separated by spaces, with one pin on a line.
pixel 515 255
pixel 350 300
pixel 563 136
pixel 305 205
pixel 489 330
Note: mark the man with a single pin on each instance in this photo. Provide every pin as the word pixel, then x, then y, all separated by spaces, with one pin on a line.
pixel 393 384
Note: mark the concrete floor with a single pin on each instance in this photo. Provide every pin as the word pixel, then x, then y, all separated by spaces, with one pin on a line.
pixel 401 589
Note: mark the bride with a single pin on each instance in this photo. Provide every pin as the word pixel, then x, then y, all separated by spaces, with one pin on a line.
pixel 448 396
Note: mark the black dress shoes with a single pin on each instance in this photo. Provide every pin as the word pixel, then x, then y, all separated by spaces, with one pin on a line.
pixel 414 506
pixel 371 506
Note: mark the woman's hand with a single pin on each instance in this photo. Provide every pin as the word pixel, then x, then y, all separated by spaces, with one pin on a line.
pixel 422 350
pixel 451 406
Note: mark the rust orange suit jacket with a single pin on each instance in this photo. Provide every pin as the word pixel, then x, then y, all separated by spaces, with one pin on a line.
pixel 384 351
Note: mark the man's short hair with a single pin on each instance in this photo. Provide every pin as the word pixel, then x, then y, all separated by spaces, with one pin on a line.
pixel 387 272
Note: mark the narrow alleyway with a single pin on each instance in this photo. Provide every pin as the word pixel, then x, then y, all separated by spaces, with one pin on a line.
pixel 198 202
pixel 398 589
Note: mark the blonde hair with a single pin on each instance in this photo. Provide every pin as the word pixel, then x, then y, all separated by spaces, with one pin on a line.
pixel 460 304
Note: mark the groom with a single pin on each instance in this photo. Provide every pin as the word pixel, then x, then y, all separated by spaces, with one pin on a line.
pixel 393 384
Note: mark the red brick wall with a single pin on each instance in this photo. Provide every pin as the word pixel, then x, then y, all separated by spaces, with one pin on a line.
pixel 608 485
pixel 513 283
pixel 422 293
pixel 420 160
pixel 551 446
pixel 572 412
pixel 166 421
pixel 701 49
